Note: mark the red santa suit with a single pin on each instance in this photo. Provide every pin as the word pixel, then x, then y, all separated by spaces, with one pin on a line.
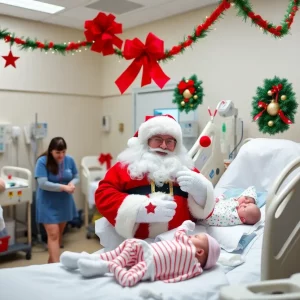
pixel 123 191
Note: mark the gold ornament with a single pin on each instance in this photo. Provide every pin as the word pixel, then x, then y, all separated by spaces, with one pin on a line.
pixel 182 103
pixel 270 123
pixel 187 94
pixel 195 97
pixel 273 108
pixel 191 105
pixel 270 93
pixel 283 97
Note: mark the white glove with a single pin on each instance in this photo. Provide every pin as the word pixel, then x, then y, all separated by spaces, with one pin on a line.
pixel 188 225
pixel 159 209
pixel 194 184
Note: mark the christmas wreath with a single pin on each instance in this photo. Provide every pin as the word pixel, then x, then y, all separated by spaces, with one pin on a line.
pixel 188 94
pixel 274 106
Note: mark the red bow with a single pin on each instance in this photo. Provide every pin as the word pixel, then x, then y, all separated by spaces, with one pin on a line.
pixel 145 56
pixel 182 86
pixel 276 88
pixel 105 158
pixel 101 31
pixel 280 113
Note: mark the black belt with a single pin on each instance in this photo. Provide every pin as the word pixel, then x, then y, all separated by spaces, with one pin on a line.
pixel 146 190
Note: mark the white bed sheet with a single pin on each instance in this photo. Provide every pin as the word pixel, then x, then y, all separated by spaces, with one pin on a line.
pixel 53 282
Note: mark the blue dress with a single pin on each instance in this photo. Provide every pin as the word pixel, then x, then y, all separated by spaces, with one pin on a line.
pixel 55 207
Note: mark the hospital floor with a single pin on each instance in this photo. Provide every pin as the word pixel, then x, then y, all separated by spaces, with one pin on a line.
pixel 74 240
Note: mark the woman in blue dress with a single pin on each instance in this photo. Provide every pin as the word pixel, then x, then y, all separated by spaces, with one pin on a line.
pixel 56 175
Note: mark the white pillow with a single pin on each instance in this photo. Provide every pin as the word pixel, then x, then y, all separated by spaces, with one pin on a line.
pixel 258 163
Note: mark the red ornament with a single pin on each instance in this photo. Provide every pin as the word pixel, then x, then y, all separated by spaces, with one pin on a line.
pixel 102 32
pixel 150 208
pixel 105 158
pixel 205 141
pixel 10 59
pixel 146 56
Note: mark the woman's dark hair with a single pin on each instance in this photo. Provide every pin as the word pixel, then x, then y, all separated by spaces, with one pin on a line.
pixel 58 144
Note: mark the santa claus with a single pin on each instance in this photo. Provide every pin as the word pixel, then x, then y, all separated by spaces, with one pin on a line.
pixel 154 186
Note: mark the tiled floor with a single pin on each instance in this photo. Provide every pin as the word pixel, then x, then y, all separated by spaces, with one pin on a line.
pixel 74 240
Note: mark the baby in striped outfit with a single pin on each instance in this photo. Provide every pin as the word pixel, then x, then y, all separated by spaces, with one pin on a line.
pixel 180 259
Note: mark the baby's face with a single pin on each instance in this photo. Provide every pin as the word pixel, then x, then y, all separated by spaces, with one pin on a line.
pixel 249 213
pixel 246 200
pixel 200 242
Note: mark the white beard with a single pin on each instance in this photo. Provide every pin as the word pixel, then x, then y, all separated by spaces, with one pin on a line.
pixel 142 161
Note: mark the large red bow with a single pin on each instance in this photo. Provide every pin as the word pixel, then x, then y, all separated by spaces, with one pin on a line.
pixel 105 158
pixel 280 113
pixel 145 56
pixel 101 31
pixel 183 85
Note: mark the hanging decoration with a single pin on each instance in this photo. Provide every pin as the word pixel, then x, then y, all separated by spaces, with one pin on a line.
pixel 10 59
pixel 146 56
pixel 101 32
pixel 188 94
pixel 245 10
pixel 274 106
pixel 101 37
pixel 105 158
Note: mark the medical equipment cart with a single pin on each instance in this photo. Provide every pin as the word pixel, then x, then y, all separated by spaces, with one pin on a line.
pixel 18 182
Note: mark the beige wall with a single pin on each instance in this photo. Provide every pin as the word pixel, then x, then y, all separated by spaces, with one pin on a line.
pixel 64 91
pixel 232 61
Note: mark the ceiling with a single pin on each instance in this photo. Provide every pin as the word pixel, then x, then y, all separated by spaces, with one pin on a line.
pixel 130 13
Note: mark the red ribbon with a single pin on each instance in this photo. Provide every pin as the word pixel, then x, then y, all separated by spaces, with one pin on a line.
pixel 145 56
pixel 182 86
pixel 276 88
pixel 264 106
pixel 281 114
pixel 105 158
pixel 101 31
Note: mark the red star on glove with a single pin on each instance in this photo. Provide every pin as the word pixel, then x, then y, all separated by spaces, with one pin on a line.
pixel 10 59
pixel 150 208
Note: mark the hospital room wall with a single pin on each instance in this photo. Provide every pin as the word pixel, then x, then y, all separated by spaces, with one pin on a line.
pixel 64 91
pixel 232 61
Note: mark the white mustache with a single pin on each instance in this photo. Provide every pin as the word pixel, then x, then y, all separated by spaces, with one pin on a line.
pixel 160 150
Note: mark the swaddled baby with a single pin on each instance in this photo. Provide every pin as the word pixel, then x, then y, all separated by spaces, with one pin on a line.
pixel 236 210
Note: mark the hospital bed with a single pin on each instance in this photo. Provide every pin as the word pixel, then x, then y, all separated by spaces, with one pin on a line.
pixel 18 190
pixel 91 173
pixel 269 165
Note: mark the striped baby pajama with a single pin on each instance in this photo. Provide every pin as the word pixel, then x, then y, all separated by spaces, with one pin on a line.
pixel 128 254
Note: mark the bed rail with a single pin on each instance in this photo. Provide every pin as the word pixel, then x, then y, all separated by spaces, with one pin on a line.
pixel 281 242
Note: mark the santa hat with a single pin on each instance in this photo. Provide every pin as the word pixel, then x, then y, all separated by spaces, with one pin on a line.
pixel 154 125
pixel 250 192
pixel 214 251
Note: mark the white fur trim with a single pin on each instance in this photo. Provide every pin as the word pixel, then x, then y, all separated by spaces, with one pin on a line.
pixel 202 212
pixel 132 142
pixel 157 228
pixel 160 125
pixel 127 212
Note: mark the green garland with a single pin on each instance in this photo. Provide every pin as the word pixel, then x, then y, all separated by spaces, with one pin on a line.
pixel 244 8
pixel 29 44
pixel 188 94
pixel 274 106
